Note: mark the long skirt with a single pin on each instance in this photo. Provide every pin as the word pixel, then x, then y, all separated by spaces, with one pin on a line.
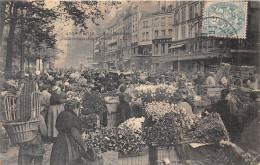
pixel 64 150
pixel 124 111
pixel 53 113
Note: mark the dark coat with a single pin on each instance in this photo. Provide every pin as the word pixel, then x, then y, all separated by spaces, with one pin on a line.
pixel 123 108
pixel 69 144
pixel 251 132
pixel 229 115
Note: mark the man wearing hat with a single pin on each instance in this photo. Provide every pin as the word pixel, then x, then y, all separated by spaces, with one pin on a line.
pixel 251 132
pixel 237 81
pixel 229 115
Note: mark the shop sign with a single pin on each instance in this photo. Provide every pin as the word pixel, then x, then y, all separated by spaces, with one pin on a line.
pixel 162 40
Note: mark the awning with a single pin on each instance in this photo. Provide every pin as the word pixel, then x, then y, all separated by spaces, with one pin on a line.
pixel 176 46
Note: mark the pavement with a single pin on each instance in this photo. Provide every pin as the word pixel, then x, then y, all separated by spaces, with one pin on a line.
pixel 11 156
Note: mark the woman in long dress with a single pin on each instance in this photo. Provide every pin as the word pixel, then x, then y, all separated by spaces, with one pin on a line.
pixel 56 107
pixel 123 108
pixel 69 145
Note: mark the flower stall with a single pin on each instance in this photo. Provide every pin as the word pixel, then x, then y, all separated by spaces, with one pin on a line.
pixel 126 139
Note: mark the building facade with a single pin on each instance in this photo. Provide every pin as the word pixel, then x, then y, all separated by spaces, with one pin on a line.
pixel 171 38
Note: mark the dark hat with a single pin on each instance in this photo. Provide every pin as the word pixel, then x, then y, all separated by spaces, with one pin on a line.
pixel 245 80
pixel 122 88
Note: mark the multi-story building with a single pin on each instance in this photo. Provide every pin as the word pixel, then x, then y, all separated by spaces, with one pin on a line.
pixel 127 38
pixel 162 36
pixel 144 50
pixel 194 51
pixel 98 51
pixel 111 48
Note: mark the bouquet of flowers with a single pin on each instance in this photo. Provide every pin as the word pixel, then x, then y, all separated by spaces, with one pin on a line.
pixel 92 104
pixel 209 129
pixel 126 139
pixel 157 110
pixel 102 140
pixel 171 129
pixel 150 93
pixel 130 139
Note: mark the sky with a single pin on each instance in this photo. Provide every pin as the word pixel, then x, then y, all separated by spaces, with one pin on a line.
pixel 61 28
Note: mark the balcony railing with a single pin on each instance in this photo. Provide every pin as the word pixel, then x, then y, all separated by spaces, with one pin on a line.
pixel 162 37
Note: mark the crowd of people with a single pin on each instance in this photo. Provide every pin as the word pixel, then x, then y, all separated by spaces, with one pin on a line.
pixel 59 122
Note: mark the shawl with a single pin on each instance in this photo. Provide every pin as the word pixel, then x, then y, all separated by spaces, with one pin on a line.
pixel 66 120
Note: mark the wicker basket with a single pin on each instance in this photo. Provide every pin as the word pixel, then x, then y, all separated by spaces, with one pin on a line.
pixel 20 132
pixel 112 119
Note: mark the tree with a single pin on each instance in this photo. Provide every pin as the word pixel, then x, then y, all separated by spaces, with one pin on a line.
pixel 40 28
pixel 2 19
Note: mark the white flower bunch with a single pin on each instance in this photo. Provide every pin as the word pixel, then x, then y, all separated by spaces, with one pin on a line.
pixel 157 110
pixel 134 124
pixel 153 88
pixel 197 98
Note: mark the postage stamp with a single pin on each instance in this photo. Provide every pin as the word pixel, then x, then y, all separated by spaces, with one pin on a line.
pixel 229 17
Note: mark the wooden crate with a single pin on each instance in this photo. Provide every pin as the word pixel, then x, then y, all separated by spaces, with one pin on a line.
pixel 159 153
pixel 112 119
pixel 136 159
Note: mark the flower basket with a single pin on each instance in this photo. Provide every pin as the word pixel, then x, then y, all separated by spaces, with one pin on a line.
pixel 20 132
pixel 139 158
pixel 158 154
pixel 112 119
pixel 112 107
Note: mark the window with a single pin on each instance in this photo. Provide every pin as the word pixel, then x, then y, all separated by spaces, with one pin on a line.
pixel 170 32
pixel 133 28
pixel 176 33
pixel 147 36
pixel 169 50
pixel 170 20
pixel 156 48
pixel 177 4
pixel 191 12
pixel 143 24
pixel 146 24
pixel 190 30
pixel 163 48
pixel 163 32
pixel 163 23
pixel 183 14
pixel 196 9
pixel 156 22
pixel 143 36
pixel 156 33
pixel 136 28
pixel 183 31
